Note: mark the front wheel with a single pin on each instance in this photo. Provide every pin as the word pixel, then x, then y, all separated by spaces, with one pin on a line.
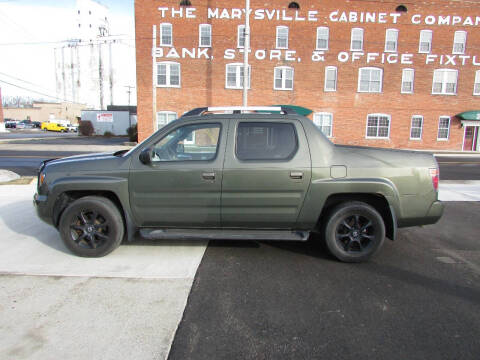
pixel 354 231
pixel 91 226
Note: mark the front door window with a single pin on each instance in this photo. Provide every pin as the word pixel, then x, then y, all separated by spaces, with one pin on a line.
pixel 197 142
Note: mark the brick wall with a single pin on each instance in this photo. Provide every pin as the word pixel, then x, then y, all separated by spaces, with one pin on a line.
pixel 203 80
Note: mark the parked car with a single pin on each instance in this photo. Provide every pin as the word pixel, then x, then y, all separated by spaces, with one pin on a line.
pixel 241 176
pixel 10 124
pixel 71 128
pixel 51 126
pixel 25 124
pixel 36 124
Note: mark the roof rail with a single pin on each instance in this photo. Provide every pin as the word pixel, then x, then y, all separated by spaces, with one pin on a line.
pixel 240 110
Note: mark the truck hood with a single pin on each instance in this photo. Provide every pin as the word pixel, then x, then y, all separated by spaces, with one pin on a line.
pixel 360 156
pixel 98 162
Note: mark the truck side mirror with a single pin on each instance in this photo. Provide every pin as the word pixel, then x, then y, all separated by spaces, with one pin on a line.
pixel 146 156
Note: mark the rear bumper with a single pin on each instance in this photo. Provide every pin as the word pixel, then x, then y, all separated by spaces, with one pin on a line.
pixel 43 210
pixel 434 213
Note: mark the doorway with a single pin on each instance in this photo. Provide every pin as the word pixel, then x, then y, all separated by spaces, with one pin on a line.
pixel 470 138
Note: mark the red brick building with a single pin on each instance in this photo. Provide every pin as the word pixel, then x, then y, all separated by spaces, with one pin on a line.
pixel 376 73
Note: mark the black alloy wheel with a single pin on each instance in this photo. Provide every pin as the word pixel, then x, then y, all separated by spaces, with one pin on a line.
pixel 89 229
pixel 354 231
pixel 91 226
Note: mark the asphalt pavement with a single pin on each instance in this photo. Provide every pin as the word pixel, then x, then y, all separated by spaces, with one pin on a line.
pixel 32 133
pixel 419 298
pixel 459 167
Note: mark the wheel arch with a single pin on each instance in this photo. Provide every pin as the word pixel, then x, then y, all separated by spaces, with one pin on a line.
pixel 67 197
pixel 377 201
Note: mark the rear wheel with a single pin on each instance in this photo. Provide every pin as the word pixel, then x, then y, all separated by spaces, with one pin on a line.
pixel 354 231
pixel 91 226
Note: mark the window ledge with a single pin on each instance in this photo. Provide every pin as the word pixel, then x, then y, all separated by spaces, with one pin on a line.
pixel 377 138
pixel 169 86
pixel 282 89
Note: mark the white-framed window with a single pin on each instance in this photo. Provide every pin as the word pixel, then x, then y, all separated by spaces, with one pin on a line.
pixel 459 41
pixel 205 35
pixel 164 117
pixel 370 79
pixel 391 40
pixel 356 40
pixel 324 121
pixel 322 38
pixel 445 82
pixel 166 34
pixel 283 78
pixel 281 41
pixel 168 74
pixel 241 36
pixel 476 85
pixel 234 76
pixel 416 127
pixel 378 126
pixel 330 78
pixel 443 128
pixel 425 42
pixel 408 76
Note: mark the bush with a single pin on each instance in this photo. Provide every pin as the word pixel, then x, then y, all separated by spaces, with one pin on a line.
pixel 108 134
pixel 132 133
pixel 85 128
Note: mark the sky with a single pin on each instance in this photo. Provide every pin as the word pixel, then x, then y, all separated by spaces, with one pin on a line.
pixel 31 29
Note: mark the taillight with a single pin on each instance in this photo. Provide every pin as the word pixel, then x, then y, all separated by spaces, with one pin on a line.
pixel 435 174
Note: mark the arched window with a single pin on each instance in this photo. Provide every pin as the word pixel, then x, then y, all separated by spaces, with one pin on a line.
pixel 293 5
pixel 185 3
pixel 401 8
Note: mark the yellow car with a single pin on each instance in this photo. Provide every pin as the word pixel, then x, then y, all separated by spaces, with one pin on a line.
pixel 53 127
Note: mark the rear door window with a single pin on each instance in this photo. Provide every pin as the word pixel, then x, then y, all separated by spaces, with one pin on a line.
pixel 266 141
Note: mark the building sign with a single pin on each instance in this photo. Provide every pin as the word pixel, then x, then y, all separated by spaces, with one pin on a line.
pixel 337 16
pixel 315 16
pixel 105 117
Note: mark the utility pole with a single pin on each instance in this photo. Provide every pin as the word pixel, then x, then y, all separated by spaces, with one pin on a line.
pixel 110 70
pixel 100 73
pixel 246 48
pixel 129 91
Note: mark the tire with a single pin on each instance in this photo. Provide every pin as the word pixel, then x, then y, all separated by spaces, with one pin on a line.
pixel 91 226
pixel 354 231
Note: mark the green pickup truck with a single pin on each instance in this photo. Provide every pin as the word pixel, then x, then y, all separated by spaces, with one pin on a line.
pixel 257 173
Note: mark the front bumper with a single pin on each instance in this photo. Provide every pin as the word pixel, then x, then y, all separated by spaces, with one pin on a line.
pixel 43 210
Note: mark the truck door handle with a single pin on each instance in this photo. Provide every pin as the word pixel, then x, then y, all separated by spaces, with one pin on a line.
pixel 208 176
pixel 296 175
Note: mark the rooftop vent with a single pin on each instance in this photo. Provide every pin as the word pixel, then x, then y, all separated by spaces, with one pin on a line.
pixel 293 5
pixel 185 3
pixel 401 8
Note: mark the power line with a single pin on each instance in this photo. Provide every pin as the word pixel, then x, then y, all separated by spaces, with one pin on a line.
pixel 25 81
pixel 37 92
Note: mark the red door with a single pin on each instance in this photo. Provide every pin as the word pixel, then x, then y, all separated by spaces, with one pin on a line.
pixel 468 138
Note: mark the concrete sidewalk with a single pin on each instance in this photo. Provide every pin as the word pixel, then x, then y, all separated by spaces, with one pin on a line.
pixel 459 190
pixel 55 305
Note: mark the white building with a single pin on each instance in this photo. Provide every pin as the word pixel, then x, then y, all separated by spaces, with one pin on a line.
pixel 90 68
